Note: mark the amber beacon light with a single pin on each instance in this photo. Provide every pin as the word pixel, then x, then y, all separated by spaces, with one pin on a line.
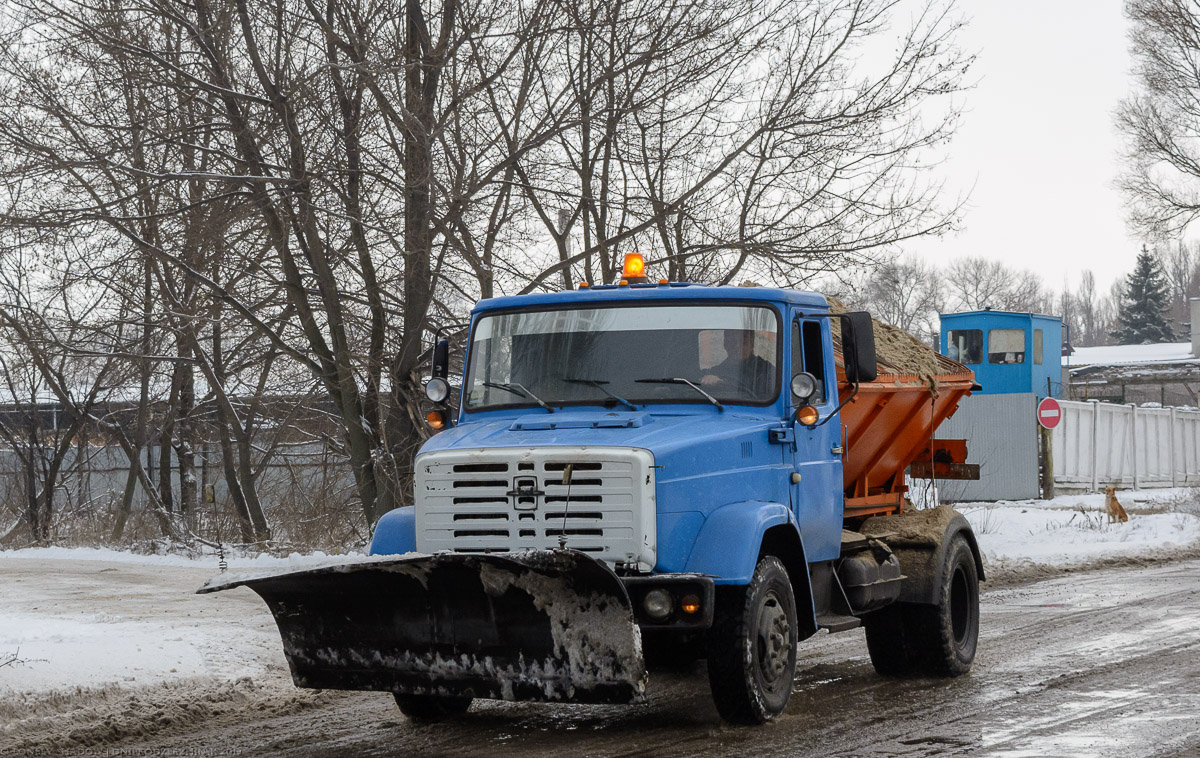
pixel 634 270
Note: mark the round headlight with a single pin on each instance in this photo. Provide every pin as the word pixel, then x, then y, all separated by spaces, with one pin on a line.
pixel 437 389
pixel 804 386
pixel 658 604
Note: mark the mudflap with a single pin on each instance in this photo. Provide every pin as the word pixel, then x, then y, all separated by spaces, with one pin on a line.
pixel 542 625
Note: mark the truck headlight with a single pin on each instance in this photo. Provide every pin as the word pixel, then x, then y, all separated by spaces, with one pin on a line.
pixel 437 389
pixel 658 604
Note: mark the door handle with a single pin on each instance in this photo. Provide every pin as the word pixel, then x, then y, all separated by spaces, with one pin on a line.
pixel 837 450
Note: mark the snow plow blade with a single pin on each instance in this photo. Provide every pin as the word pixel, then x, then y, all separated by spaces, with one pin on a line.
pixel 547 625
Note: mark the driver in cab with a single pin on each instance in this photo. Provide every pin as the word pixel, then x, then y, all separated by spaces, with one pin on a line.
pixel 742 372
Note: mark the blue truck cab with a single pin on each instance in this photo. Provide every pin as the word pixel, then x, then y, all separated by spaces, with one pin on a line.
pixel 664 472
pixel 688 438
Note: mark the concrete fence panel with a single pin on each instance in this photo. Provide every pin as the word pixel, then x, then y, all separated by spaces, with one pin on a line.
pixel 1101 444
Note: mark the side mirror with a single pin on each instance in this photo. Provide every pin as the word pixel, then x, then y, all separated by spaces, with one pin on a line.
pixel 804 386
pixel 437 389
pixel 858 347
pixel 441 359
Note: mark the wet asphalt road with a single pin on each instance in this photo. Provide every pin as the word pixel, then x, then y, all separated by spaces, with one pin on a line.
pixel 1104 663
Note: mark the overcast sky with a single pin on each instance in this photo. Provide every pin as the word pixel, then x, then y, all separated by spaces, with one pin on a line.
pixel 1037 149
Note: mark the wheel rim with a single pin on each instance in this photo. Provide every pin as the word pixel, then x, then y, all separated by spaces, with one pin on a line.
pixel 960 605
pixel 773 642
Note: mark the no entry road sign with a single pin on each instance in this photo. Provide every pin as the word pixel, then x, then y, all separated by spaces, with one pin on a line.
pixel 1049 413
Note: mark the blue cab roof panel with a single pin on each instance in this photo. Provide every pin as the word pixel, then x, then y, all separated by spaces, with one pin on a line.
pixel 655 293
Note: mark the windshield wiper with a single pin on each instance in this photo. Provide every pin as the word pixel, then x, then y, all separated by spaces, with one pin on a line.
pixel 599 384
pixel 519 389
pixel 680 380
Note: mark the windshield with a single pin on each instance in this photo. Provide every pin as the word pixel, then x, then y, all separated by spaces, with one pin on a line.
pixel 597 355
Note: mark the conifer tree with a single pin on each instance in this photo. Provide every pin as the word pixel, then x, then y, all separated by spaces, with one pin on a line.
pixel 1144 305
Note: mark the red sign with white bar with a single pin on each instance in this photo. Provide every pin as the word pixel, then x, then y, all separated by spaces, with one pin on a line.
pixel 1049 413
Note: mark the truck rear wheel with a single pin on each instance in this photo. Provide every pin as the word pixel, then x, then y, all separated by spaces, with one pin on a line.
pixel 752 646
pixel 887 641
pixel 910 639
pixel 431 708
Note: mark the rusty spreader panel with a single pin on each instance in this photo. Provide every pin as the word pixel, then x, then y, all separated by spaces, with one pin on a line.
pixel 890 422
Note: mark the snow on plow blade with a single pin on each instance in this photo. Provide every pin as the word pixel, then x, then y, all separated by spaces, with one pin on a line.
pixel 544 625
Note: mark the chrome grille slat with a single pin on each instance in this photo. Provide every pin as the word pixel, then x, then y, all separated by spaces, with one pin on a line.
pixel 467 502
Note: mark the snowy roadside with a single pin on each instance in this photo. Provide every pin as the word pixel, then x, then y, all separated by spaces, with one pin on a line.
pixel 96 645
pixel 81 622
pixel 1029 539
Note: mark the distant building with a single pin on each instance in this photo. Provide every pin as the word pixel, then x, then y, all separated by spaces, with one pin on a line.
pixel 1167 373
pixel 1009 352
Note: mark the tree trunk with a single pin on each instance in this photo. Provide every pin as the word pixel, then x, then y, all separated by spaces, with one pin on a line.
pixel 131 480
pixel 186 434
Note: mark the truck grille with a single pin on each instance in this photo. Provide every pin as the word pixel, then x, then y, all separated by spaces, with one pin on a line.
pixel 507 499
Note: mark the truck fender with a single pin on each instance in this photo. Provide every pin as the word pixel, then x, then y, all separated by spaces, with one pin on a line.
pixel 396 532
pixel 732 539
pixel 922 563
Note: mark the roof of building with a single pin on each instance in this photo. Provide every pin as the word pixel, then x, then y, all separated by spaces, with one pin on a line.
pixel 1126 355
pixel 995 312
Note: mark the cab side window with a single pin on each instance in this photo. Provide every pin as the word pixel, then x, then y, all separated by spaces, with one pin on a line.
pixel 808 354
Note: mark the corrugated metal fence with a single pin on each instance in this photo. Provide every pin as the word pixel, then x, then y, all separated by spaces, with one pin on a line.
pixel 1100 444
pixel 1002 438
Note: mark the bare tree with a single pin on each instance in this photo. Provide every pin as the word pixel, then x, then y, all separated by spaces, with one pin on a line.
pixel 1161 121
pixel 1069 307
pixel 904 294
pixel 976 283
pixel 294 194
pixel 711 135
pixel 1180 261
pixel 55 371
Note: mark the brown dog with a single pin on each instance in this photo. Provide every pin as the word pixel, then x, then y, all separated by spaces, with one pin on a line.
pixel 1113 506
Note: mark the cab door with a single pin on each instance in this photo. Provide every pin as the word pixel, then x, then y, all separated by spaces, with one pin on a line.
pixel 817 495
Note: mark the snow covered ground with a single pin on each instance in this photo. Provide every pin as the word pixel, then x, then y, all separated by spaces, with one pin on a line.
pixel 1073 530
pixel 102 619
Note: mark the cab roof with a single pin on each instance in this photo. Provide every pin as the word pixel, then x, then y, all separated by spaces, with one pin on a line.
pixel 651 293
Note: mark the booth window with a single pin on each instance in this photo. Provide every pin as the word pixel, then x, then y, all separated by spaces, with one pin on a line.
pixel 965 345
pixel 1006 346
pixel 1037 346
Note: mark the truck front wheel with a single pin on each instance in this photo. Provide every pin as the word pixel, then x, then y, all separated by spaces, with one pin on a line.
pixel 431 708
pixel 910 639
pixel 752 646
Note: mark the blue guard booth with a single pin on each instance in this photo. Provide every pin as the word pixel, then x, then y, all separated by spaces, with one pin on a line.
pixel 1009 352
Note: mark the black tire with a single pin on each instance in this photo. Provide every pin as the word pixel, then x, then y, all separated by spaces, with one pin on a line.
pixel 752 646
pixel 950 630
pixel 887 643
pixel 430 709
pixel 908 639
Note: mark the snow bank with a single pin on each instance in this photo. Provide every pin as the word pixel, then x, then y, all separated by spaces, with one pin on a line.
pixel 259 561
pixel 1073 530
